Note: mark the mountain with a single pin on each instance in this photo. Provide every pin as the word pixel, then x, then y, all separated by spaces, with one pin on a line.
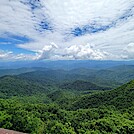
pixel 33 102
pixel 114 76
pixel 122 73
pixel 14 86
pixel 51 76
pixel 108 78
pixel 121 98
pixel 62 97
pixel 15 71
pixel 22 70
pixel 65 64
pixel 44 76
pixel 81 85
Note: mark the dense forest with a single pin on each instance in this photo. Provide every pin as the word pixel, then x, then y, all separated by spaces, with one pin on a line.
pixel 78 101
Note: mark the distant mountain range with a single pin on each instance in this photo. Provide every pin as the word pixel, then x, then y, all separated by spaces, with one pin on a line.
pixel 80 100
pixel 109 78
pixel 32 81
pixel 24 81
pixel 65 64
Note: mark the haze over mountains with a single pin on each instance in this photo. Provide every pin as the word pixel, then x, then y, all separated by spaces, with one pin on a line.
pixel 70 97
pixel 105 73
pixel 65 64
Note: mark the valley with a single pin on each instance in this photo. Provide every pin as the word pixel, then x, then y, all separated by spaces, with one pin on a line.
pixel 79 101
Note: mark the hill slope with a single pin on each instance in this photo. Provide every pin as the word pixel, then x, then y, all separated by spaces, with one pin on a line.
pixel 80 85
pixel 107 112
pixel 15 71
pixel 13 86
pixel 122 97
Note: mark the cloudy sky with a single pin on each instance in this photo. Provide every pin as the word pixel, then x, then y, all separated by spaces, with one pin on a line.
pixel 66 29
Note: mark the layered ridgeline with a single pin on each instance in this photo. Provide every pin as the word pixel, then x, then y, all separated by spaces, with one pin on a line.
pixel 108 77
pixel 15 86
pixel 67 102
pixel 15 71
pixel 81 85
pixel 121 97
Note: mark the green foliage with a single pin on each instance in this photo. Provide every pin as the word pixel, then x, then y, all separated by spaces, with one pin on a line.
pixel 121 98
pixel 81 85
pixel 42 118
pixel 14 86
pixel 5 119
pixel 36 106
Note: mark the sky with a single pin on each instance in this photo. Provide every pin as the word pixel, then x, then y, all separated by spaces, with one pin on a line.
pixel 66 30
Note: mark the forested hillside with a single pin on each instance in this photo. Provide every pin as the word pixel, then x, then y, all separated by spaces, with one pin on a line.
pixel 66 102
pixel 122 97
pixel 14 86
pixel 67 66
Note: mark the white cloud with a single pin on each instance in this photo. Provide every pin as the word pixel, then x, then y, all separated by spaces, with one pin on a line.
pixel 74 13
pixel 73 52
pixel 9 55
pixel 47 52
pixel 5 55
pixel 19 19
pixel 130 48
pixel 84 52
pixel 129 51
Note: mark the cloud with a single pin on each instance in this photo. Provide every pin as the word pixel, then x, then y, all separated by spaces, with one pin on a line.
pixel 130 48
pixel 73 52
pixel 71 26
pixel 129 51
pixel 5 55
pixel 47 52
pixel 10 56
pixel 84 52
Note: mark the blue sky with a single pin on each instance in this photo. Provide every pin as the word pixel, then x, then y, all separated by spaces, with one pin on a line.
pixel 66 29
